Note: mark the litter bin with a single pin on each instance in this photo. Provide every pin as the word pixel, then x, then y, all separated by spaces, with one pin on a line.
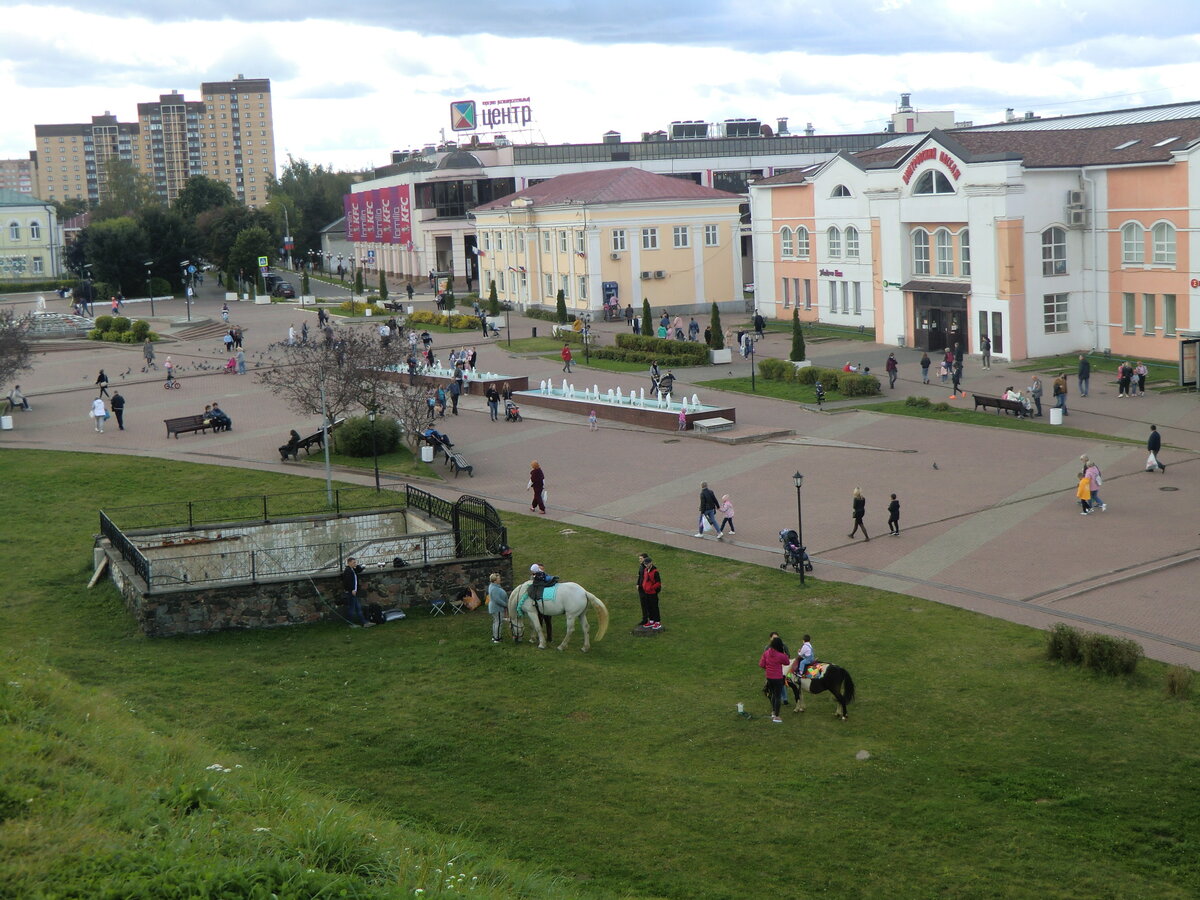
pixel 427 454
pixel 1056 416
pixel 410 309
pixel 5 423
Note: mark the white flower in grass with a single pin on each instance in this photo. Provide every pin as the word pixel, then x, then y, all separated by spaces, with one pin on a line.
pixel 262 828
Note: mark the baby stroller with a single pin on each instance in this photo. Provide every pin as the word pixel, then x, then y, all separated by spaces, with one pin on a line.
pixel 793 554
pixel 231 366
pixel 512 412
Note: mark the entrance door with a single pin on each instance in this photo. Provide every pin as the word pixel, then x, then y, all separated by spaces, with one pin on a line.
pixel 939 321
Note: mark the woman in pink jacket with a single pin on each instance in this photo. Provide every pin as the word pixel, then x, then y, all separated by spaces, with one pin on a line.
pixel 773 660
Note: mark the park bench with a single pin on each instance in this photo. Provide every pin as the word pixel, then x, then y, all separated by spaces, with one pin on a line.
pixel 705 426
pixel 458 463
pixel 1014 406
pixel 316 439
pixel 181 424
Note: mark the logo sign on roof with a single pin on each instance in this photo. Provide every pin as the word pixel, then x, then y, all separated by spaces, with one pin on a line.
pixel 928 155
pixel 462 115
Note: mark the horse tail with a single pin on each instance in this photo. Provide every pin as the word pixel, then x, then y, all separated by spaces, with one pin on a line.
pixel 601 613
pixel 847 686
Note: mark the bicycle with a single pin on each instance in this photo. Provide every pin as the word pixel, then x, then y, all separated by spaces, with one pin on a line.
pixel 172 384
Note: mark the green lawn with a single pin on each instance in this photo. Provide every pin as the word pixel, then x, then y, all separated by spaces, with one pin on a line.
pixel 401 462
pixel 1101 365
pixel 780 390
pixel 988 772
pixel 579 361
pixel 963 411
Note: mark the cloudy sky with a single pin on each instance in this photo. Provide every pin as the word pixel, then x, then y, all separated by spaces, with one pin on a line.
pixel 351 82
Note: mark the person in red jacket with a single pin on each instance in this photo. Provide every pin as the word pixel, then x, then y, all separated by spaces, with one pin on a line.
pixel 772 661
pixel 566 358
pixel 649 586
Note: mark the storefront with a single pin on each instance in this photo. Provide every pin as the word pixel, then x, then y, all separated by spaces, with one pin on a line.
pixel 939 315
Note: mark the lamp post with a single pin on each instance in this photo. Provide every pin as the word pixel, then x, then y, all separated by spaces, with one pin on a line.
pixel 187 288
pixel 149 287
pixel 374 452
pixel 798 480
pixel 311 254
pixel 341 271
pixel 753 342
pixel 587 338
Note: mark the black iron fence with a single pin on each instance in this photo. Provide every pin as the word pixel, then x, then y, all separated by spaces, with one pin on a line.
pixel 130 553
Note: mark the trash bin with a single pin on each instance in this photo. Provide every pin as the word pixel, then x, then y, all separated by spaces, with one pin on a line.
pixel 5 423
pixel 410 309
pixel 1056 416
pixel 427 454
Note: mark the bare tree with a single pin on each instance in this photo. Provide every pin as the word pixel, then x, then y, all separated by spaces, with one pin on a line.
pixel 408 401
pixel 15 354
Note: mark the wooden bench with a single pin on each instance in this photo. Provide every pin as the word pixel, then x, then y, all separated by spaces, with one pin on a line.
pixel 182 424
pixel 705 426
pixel 1014 406
pixel 394 307
pixel 459 463
pixel 316 439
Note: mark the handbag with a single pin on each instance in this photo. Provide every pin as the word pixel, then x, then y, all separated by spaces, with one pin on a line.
pixel 545 496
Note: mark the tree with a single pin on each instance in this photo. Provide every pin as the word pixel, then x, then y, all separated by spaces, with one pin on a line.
pixel 358 281
pixel 304 286
pixel 169 240
pixel 383 290
pixel 250 244
pixel 493 300
pixel 314 195
pixel 70 207
pixel 797 354
pixel 718 336
pixel 128 191
pixel 201 194
pixel 117 250
pixel 647 325
pixel 560 307
pixel 15 354
pixel 217 229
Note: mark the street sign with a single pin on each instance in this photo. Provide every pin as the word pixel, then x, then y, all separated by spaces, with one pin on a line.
pixel 191 270
pixel 262 261
pixel 371 255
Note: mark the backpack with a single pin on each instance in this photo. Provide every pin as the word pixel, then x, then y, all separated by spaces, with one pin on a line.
pixel 375 613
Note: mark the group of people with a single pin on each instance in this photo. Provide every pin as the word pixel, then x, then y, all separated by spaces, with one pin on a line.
pixel 708 513
pixel 776 661
pixel 858 512
pixel 1131 380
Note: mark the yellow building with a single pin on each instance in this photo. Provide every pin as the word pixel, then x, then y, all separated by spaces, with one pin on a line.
pixel 612 236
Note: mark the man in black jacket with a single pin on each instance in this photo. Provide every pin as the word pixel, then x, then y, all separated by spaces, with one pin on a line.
pixel 351 583
pixel 708 510
pixel 1154 444
pixel 118 408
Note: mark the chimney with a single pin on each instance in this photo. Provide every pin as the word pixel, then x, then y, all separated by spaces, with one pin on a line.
pixel 1008 115
pixel 905 105
pixel 781 122
pixel 1029 116
pixel 809 131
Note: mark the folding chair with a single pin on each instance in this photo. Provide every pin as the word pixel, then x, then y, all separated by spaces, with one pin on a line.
pixel 437 606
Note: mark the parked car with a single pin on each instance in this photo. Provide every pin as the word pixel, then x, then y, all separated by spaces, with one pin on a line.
pixel 270 279
pixel 283 289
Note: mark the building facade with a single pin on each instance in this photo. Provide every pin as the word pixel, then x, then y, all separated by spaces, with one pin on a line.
pixel 71 161
pixel 1044 236
pixel 616 236
pixel 17 175
pixel 169 149
pixel 30 239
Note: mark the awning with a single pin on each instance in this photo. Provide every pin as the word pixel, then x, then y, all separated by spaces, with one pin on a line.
pixel 937 287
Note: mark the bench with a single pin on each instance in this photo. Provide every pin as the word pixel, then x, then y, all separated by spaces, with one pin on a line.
pixel 459 463
pixel 316 439
pixel 705 426
pixel 394 307
pixel 1014 406
pixel 181 424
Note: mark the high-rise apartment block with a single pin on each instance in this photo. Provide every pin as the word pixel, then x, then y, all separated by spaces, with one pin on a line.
pixel 16 175
pixel 228 135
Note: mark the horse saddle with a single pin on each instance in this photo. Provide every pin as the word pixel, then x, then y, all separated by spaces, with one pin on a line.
pixel 814 671
pixel 538 593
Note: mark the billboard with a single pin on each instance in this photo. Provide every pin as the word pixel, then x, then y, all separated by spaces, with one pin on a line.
pixel 381 216
pixel 490 115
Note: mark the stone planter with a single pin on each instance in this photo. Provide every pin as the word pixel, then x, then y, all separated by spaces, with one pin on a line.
pixel 231 297
pixel 264 300
pixel 716 357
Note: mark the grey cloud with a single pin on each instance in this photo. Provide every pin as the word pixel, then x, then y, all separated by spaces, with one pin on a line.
pixel 350 91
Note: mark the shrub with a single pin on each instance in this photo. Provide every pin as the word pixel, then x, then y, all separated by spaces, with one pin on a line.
pixel 647 320
pixel 120 324
pixel 358 281
pixel 354 436
pixel 919 402
pixel 693 352
pixel 359 307
pixel 104 323
pixel 383 288
pixel 1111 655
pixel 493 300
pixel 942 406
pixel 1064 643
pixel 560 308
pixel 812 374
pixel 798 350
pixel 95 335
pixel 718 336
pixel 547 315
pixel 1179 681
pixel 852 385
pixel 776 370
pixel 140 330
pixel 160 287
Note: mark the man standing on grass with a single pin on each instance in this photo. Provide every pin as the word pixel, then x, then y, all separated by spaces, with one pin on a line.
pixel 649 586
pixel 351 585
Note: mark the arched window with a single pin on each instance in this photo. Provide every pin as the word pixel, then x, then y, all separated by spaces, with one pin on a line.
pixel 786 247
pixel 841 191
pixel 964 253
pixel 851 242
pixel 933 182
pixel 1133 244
pixel 802 246
pixel 920 245
pixel 945 252
pixel 1163 236
pixel 35 230
pixel 1054 251
pixel 834 237
pixel 14 231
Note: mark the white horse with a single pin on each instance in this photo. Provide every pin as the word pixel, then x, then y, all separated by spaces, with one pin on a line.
pixel 570 600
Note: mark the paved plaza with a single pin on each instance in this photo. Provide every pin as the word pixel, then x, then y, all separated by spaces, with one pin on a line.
pixel 989 520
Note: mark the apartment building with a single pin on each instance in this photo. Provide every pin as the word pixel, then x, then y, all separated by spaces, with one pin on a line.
pixel 237 136
pixel 17 175
pixel 71 160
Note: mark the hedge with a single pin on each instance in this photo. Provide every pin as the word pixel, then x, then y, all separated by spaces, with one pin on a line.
pixel 354 436
pixel 695 354
pixel 849 384
pixel 29 287
pixel 1101 652
pixel 464 322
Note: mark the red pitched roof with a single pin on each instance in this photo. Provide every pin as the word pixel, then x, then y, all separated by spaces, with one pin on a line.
pixel 624 185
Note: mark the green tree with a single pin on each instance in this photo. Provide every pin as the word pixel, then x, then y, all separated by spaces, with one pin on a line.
pixel 647 324
pixel 249 245
pixel 201 194
pixel 217 229
pixel 383 289
pixel 560 308
pixel 304 285
pixel 718 336
pixel 169 241
pixel 117 250
pixel 358 281
pixel 70 208
pixel 127 192
pixel 313 197
pixel 493 300
pixel 797 354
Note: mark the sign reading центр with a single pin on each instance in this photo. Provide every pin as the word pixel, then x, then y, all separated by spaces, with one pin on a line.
pixel 467 115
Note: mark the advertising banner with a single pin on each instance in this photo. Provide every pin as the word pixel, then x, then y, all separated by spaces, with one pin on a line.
pixel 385 215
pixel 369 232
pixel 402 215
pixel 353 209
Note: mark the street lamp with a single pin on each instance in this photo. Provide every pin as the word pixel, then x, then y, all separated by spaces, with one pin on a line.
pixel 149 287
pixel 753 341
pixel 798 480
pixel 374 452
pixel 187 288
pixel 587 338
pixel 310 260
pixel 341 271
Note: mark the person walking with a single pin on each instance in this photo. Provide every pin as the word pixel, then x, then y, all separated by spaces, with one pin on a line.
pixel 99 414
pixel 985 349
pixel 925 363
pixel 1154 446
pixel 148 354
pixel 455 392
pixel 240 356
pixel 351 584
pixel 566 358
pixel 594 425
pixel 1084 374
pixel 537 484
pixel 726 515
pixel 1060 394
pixel 1092 471
pixel 227 339
pixel 102 381
pixel 708 511
pixel 894 517
pixel 772 661
pixel 497 602
pixel 893 369
pixel 1035 391
pixel 118 410
pixel 1083 493
pixel 493 401
pixel 858 509
pixel 956 380
pixel 649 587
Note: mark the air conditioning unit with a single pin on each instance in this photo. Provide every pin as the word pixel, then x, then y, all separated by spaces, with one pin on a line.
pixel 646 276
pixel 1077 218
pixel 614 256
pixel 660 274
pixel 1075 198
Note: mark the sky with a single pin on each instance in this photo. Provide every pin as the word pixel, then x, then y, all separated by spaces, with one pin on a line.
pixel 351 83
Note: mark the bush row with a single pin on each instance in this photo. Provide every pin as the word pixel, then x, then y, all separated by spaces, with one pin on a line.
pixel 354 437
pixel 359 308
pixel 664 361
pixel 849 384
pixel 695 353
pixel 118 329
pixel 21 287
pixel 926 403
pixel 466 323
pixel 1101 652
pixel 546 315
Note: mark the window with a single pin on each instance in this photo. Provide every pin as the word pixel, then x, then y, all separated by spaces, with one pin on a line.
pixel 565 285
pixel 964 253
pixel 787 293
pixel 802 242
pixel 832 296
pixel 35 230
pixel 562 242
pixel 834 238
pixel 500 280
pixel 579 242
pixel 548 280
pixel 1054 313
pixel 858 298
pixel 499 240
pixel 841 191
pixel 649 238
pixel 1129 317
pixel 1149 309
pixel 786 247
pixel 546 246
pixel 933 182
pixel 710 235
pixel 679 236
pixel 1133 244
pixel 852 243
pixel 14 231
pixel 582 287
pixel 807 293
pixel 920 242
pixel 618 239
pixel 1163 236
pixel 1054 251
pixel 945 252
pixel 37 265
pixel 1168 315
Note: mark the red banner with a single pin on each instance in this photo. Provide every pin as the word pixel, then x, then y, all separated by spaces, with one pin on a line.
pixel 384 216
pixel 352 205
pixel 402 215
pixel 370 233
